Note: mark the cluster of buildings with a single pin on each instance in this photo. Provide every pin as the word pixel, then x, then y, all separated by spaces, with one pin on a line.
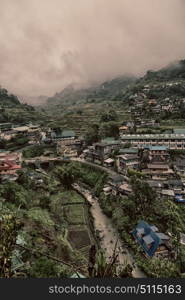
pixel 101 152
pixel 142 100
pixel 117 185
pixel 174 141
pixel 155 107
pixel 10 163
pixel 9 131
pixel 66 141
pixel 147 154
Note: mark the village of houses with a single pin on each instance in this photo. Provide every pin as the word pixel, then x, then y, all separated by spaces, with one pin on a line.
pixel 146 153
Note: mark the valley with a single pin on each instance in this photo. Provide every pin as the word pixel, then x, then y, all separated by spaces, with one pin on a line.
pixel 92 182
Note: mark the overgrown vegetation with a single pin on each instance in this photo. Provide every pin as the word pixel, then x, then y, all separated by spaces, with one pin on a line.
pixel 42 242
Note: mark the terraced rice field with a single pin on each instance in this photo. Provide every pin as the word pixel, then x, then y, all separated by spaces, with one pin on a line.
pixel 76 216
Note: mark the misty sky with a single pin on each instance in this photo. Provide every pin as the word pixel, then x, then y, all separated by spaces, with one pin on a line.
pixel 48 44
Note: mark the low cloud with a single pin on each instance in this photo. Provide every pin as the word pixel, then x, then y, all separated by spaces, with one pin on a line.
pixel 47 44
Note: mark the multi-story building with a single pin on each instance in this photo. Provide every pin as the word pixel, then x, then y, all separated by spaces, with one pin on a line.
pixel 127 161
pixel 69 147
pixel 155 153
pixel 101 151
pixel 171 141
pixel 158 169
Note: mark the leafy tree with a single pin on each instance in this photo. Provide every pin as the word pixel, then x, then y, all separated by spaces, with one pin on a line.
pixel 143 195
pixel 160 268
pixel 100 184
pixel 92 135
pixel 110 129
pixel 9 226
pixel 14 193
pixel 23 179
pixel 67 175
pixel 44 267
pixel 34 151
pixel 109 116
pixel 45 202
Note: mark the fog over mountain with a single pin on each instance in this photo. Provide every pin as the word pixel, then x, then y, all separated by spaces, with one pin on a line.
pixel 46 45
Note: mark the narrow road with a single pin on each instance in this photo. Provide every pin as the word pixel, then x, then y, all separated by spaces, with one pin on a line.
pixel 77 159
pixel 109 236
pixel 83 161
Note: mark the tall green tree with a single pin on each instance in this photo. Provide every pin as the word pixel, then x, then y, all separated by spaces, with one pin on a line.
pixel 67 175
pixel 143 195
pixel 9 226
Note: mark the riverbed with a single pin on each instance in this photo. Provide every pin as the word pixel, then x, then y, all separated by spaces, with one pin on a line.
pixel 108 235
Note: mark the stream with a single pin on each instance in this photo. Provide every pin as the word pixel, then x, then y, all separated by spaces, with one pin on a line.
pixel 109 236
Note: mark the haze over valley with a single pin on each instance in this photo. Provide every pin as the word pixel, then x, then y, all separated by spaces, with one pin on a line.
pixel 47 45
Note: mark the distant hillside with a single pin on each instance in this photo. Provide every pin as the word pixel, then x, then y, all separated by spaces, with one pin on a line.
pixel 168 82
pixel 175 71
pixel 33 100
pixel 122 88
pixel 78 109
pixel 106 91
pixel 7 99
pixel 12 110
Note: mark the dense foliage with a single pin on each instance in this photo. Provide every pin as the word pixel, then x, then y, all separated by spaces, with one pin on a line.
pixel 165 214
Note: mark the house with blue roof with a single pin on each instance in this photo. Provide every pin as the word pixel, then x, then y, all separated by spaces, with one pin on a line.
pixel 179 198
pixel 153 242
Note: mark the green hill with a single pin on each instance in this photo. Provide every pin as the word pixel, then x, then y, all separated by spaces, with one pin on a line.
pixel 168 82
pixel 175 71
pixel 79 109
pixel 12 110
pixel 122 88
pixel 105 91
pixel 8 100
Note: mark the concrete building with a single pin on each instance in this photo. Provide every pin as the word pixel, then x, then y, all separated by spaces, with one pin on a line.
pixel 155 153
pixel 171 141
pixel 158 169
pixel 127 161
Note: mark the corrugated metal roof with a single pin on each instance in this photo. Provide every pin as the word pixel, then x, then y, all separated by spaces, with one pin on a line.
pixel 148 239
pixel 109 160
pixel 157 148
pixel 154 228
pixel 68 133
pixel 171 136
pixel 179 131
pixel 155 166
pixel 140 230
pixel 162 236
pixel 129 151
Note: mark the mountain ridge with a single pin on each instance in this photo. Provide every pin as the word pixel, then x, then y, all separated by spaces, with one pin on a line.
pixel 116 88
